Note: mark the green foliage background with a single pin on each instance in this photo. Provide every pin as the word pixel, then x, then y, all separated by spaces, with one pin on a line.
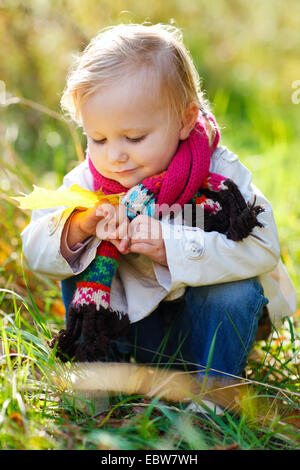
pixel 247 54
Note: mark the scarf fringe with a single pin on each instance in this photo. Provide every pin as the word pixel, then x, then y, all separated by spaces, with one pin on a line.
pixel 242 225
pixel 226 211
pixel 96 327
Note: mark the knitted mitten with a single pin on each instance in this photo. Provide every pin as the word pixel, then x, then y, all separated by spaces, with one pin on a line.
pixel 91 321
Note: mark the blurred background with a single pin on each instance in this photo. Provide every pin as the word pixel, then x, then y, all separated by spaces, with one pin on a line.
pixel 247 54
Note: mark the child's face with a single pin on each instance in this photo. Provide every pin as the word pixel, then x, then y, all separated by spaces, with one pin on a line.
pixel 127 130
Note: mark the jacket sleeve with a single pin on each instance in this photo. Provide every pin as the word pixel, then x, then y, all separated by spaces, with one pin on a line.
pixel 41 238
pixel 198 258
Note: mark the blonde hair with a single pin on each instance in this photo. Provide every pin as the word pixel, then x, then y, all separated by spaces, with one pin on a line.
pixel 124 48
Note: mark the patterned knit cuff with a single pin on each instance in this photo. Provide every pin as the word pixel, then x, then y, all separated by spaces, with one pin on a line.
pixel 108 249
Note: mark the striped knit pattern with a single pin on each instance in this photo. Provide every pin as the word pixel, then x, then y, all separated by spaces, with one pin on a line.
pixel 215 182
pixel 139 200
pixel 95 283
pixel 91 294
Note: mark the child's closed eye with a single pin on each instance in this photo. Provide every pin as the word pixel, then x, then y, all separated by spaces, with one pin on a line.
pixel 136 139
pixel 101 141
pixel 129 139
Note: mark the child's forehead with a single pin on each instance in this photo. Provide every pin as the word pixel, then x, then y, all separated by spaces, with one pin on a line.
pixel 135 85
pixel 143 85
pixel 120 118
pixel 131 101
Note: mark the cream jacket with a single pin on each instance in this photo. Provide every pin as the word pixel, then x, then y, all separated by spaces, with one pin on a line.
pixel 195 257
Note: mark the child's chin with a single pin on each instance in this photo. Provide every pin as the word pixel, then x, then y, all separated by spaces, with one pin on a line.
pixel 128 181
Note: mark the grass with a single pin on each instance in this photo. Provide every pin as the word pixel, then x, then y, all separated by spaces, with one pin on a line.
pixel 36 412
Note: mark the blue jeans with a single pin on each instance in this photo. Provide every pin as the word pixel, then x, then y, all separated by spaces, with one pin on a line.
pixel 211 326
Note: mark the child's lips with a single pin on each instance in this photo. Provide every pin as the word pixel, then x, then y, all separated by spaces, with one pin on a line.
pixel 125 171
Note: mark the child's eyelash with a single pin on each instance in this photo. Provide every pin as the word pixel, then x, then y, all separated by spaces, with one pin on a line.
pixel 133 140
pixel 137 139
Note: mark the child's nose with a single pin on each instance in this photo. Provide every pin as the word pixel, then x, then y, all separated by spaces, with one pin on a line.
pixel 116 154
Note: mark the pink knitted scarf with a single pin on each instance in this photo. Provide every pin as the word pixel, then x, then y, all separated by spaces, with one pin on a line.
pixel 180 182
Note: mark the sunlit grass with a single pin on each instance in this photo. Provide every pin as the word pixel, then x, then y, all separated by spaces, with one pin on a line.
pixel 36 412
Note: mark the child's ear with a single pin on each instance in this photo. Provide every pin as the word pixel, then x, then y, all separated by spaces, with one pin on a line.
pixel 189 120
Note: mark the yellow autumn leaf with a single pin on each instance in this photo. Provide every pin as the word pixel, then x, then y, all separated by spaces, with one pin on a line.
pixel 75 196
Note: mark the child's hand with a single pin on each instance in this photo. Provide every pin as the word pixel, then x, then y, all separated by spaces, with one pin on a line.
pixel 107 221
pixel 83 224
pixel 146 238
pixel 113 225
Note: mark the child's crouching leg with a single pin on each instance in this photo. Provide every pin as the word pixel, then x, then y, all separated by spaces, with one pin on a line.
pixel 225 321
pixel 68 287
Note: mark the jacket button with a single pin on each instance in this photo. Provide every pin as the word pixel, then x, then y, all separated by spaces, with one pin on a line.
pixel 193 250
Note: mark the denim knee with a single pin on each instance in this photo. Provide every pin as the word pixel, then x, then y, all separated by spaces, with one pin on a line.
pixel 244 295
pixel 231 312
pixel 247 293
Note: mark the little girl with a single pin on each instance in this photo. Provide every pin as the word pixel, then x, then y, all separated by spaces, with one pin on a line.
pixel 172 289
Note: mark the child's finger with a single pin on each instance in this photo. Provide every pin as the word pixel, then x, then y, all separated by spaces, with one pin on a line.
pixel 102 229
pixel 148 229
pixel 122 214
pixel 155 253
pixel 121 245
pixel 142 232
pixel 98 208
pixel 124 245
pixel 99 212
pixel 105 210
pixel 117 223
pixel 123 229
